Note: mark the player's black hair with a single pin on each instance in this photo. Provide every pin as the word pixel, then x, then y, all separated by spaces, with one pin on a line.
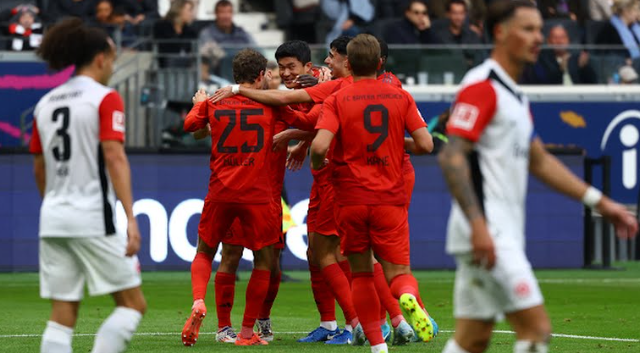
pixel 70 42
pixel 459 2
pixel 340 44
pixel 503 10
pixel 247 65
pixel 294 49
pixel 384 48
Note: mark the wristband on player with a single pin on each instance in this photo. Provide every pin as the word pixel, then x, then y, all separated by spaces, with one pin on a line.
pixel 591 197
pixel 235 89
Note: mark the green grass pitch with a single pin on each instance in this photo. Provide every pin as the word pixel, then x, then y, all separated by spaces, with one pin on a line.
pixel 581 303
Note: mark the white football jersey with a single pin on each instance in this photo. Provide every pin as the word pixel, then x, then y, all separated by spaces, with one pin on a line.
pixel 491 111
pixel 70 122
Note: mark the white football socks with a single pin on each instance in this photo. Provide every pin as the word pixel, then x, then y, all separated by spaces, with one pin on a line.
pixel 379 348
pixel 530 347
pixel 116 331
pixel 329 325
pixel 56 338
pixel 453 347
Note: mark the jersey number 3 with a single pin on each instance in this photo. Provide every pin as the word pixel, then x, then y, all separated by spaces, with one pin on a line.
pixel 62 153
pixel 244 126
pixel 382 129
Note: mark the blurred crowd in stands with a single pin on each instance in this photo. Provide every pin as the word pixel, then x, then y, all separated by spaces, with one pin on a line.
pixel 612 23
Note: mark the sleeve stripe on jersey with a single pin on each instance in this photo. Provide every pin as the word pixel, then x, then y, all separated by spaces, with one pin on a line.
pixel 109 226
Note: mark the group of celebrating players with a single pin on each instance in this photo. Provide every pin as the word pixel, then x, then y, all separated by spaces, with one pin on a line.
pixel 353 122
pixel 358 206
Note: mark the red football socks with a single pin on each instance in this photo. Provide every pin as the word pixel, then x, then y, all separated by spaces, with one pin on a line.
pixel 325 301
pixel 388 301
pixel 200 275
pixel 346 268
pixel 339 285
pixel 367 304
pixel 404 284
pixel 272 293
pixel 225 292
pixel 256 293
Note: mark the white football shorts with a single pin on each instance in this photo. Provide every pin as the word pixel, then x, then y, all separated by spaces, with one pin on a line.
pixel 487 295
pixel 66 264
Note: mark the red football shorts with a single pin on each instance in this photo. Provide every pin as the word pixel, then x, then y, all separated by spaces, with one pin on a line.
pixel 381 228
pixel 277 226
pixel 409 175
pixel 253 228
pixel 321 215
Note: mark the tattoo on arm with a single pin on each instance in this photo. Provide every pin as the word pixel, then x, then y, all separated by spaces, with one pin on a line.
pixel 455 166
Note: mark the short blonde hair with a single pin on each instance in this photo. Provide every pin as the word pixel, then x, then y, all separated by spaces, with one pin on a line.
pixel 176 8
pixel 363 53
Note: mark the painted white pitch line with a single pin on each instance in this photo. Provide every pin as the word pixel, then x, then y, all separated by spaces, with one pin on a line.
pixel 303 332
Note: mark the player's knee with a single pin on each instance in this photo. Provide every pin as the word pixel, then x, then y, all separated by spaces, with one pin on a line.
pixel 232 255
pixel 204 248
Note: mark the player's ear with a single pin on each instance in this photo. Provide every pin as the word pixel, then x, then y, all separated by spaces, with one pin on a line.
pixel 500 31
pixel 380 63
pixel 308 66
pixel 99 60
pixel 347 64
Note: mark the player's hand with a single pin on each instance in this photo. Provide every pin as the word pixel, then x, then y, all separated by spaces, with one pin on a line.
pixel 200 96
pixel 483 249
pixel 625 222
pixel 222 93
pixel 306 80
pixel 297 155
pixel 325 74
pixel 202 133
pixel 281 141
pixel 133 238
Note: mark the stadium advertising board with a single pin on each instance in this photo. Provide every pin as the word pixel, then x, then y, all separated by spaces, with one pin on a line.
pixel 169 191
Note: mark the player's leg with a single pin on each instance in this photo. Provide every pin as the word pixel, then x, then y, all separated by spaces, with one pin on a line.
pixel 471 336
pixel 388 303
pixel 118 329
pixel 533 330
pixel 264 318
pixel 225 287
pixel 325 247
pixel 61 281
pixel 390 242
pixel 215 222
pixel 257 225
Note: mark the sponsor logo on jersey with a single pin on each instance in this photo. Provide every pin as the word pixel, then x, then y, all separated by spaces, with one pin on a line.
pixel 464 116
pixel 118 121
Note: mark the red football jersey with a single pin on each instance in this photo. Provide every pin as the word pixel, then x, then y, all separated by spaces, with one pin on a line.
pixel 242 136
pixel 278 164
pixel 390 78
pixel 369 119
pixel 320 92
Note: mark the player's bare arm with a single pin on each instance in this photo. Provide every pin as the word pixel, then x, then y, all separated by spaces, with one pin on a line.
pixel 420 142
pixel 297 155
pixel 270 97
pixel 120 173
pixel 281 139
pixel 319 148
pixel 552 172
pixel 39 173
pixel 202 133
pixel 455 166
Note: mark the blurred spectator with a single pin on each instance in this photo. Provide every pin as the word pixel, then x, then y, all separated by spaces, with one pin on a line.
pixel 25 28
pixel 622 29
pixel 175 35
pixel 414 28
pixel 274 75
pixel 628 75
pixel 600 10
pixel 59 9
pixel 558 66
pixel 113 20
pixel 137 11
pixel 572 9
pixel 349 16
pixel 298 18
pixel 389 8
pixel 458 32
pixel 438 8
pixel 223 32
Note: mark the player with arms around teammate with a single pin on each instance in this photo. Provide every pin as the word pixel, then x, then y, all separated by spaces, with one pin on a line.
pixel 368 120
pixel 491 133
pixel 80 167
pixel 239 189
